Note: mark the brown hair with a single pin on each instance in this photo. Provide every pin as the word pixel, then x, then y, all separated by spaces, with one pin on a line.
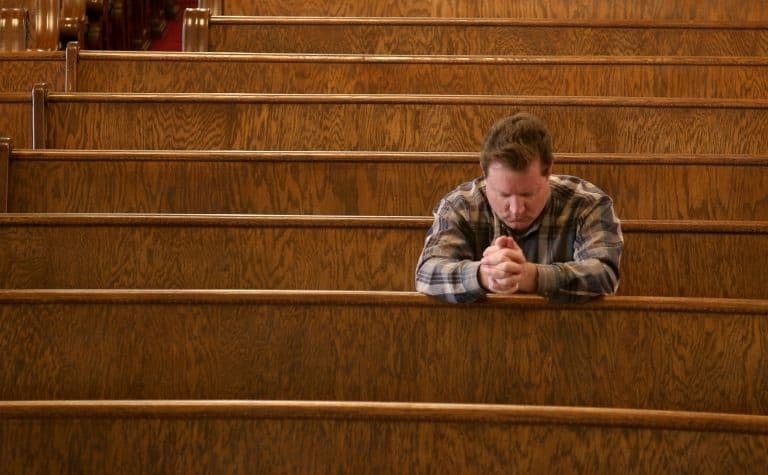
pixel 516 141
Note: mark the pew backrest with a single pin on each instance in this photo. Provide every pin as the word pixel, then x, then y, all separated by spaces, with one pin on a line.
pixel 653 76
pixel 644 353
pixel 694 11
pixel 700 187
pixel 666 258
pixel 385 122
pixel 462 36
pixel 355 437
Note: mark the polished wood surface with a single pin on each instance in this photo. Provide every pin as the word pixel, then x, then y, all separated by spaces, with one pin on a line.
pixel 483 36
pixel 14 24
pixel 311 436
pixel 654 10
pixel 353 183
pixel 657 76
pixel 398 122
pixel 335 252
pixel 16 118
pixel 19 72
pixel 643 353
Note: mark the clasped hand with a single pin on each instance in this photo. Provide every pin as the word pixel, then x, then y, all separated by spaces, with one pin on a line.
pixel 503 266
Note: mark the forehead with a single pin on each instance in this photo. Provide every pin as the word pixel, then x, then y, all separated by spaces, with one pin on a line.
pixel 503 179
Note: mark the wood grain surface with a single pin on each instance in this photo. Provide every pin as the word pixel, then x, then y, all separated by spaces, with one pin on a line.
pixel 666 354
pixel 16 118
pixel 484 37
pixel 710 187
pixel 311 437
pixel 654 10
pixel 665 258
pixel 398 122
pixel 718 77
pixel 20 71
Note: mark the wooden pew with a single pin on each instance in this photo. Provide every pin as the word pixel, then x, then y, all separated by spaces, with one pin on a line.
pixel 654 10
pixel 20 71
pixel 462 36
pixel 654 76
pixel 644 353
pixel 700 187
pixel 667 258
pixel 392 122
pixel 363 437
pixel 665 76
pixel 16 117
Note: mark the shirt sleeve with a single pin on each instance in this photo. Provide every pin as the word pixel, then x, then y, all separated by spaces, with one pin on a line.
pixel 447 268
pixel 594 270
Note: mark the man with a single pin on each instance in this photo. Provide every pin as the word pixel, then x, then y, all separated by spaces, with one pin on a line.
pixel 521 229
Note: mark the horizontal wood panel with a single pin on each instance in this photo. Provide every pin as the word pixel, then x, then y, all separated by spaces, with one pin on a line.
pixel 587 76
pixel 655 10
pixel 16 118
pixel 19 72
pixel 355 439
pixel 305 252
pixel 388 350
pixel 643 187
pixel 494 37
pixel 398 122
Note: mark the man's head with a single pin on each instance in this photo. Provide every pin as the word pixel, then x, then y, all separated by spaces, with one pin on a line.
pixel 517 158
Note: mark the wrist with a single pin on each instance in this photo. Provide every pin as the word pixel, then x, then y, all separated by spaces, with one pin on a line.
pixel 529 279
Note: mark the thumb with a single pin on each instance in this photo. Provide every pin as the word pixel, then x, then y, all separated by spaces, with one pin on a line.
pixel 506 241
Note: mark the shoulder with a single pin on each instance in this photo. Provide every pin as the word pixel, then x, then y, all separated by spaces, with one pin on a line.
pixel 577 192
pixel 466 196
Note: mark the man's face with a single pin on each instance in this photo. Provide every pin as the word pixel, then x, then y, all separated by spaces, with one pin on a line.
pixel 517 197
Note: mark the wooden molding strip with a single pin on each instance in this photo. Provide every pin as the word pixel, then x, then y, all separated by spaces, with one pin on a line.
pixel 87 55
pixel 375 157
pixel 344 297
pixel 272 220
pixel 235 98
pixel 351 410
pixel 505 22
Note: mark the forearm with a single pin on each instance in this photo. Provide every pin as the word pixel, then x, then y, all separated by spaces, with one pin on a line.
pixel 576 281
pixel 454 281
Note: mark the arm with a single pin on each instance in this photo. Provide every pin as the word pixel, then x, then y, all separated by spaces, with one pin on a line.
pixel 594 270
pixel 447 268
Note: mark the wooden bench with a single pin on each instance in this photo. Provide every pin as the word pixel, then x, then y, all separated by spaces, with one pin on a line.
pixel 671 258
pixel 703 187
pixel 655 10
pixel 16 117
pixel 462 36
pixel 20 71
pixel 392 122
pixel 655 76
pixel 643 353
pixel 363 437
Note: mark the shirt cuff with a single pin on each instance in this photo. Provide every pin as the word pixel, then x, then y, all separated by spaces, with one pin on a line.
pixel 547 280
pixel 470 279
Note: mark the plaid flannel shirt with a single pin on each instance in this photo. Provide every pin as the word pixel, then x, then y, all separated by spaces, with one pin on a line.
pixel 576 243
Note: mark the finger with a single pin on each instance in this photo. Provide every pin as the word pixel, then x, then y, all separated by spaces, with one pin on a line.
pixel 507 289
pixel 491 249
pixel 503 255
pixel 508 282
pixel 503 241
pixel 512 244
pixel 506 269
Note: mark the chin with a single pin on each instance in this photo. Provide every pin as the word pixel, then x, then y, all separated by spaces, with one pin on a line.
pixel 518 225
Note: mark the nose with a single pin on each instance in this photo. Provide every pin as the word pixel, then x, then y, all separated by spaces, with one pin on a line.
pixel 516 206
